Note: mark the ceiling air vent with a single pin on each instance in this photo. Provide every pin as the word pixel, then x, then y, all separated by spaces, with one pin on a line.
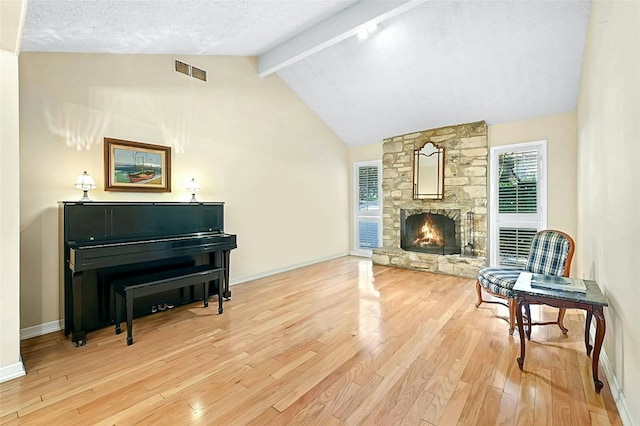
pixel 190 70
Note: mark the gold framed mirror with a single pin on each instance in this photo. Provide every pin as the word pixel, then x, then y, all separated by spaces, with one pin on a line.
pixel 428 172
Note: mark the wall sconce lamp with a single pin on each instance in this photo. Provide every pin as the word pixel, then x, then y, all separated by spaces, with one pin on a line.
pixel 85 182
pixel 193 187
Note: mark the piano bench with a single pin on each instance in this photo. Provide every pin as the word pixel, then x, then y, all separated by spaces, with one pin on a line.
pixel 129 289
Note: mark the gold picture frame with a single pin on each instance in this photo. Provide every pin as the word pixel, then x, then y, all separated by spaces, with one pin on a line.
pixel 136 166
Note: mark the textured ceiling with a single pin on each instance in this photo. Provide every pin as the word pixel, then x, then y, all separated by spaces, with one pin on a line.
pixel 205 27
pixel 438 63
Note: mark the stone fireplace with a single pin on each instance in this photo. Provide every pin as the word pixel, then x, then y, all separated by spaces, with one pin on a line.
pixel 412 229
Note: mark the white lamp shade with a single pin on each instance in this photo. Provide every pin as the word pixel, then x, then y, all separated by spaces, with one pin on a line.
pixel 193 186
pixel 85 182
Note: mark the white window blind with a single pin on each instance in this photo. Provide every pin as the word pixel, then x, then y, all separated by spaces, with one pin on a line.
pixel 368 232
pixel 518 201
pixel 368 189
pixel 518 182
pixel 368 206
pixel 515 244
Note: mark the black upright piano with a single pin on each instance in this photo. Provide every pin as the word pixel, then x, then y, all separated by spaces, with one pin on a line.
pixel 107 241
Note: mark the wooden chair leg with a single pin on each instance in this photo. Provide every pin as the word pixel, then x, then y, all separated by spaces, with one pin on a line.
pixel 527 309
pixel 512 314
pixel 561 313
pixel 479 292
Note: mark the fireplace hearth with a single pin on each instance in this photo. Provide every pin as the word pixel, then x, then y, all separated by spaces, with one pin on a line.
pixel 430 232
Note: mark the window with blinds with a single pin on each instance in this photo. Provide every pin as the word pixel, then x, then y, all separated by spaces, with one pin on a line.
pixel 515 244
pixel 368 188
pixel 368 206
pixel 368 234
pixel 518 201
pixel 518 182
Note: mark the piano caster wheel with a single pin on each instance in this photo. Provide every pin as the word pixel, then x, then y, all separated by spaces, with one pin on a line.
pixel 220 311
pixel 79 343
pixel 118 330
pixel 129 341
pixel 206 304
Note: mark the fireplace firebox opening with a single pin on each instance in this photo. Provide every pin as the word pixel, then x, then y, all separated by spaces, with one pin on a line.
pixel 430 232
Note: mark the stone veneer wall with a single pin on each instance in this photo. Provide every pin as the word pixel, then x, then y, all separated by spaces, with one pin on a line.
pixel 465 188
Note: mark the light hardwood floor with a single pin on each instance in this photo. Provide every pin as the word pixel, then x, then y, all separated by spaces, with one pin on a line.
pixel 339 342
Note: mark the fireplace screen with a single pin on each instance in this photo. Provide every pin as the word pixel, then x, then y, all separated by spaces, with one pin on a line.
pixel 429 233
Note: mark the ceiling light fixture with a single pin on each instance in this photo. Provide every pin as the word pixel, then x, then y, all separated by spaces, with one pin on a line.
pixel 367 29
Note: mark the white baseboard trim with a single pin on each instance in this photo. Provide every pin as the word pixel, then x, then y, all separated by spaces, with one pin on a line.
pixel 39 330
pixel 614 385
pixel 239 280
pixel 12 371
pixel 360 253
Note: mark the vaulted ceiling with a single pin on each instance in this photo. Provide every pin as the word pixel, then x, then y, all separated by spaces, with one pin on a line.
pixel 428 64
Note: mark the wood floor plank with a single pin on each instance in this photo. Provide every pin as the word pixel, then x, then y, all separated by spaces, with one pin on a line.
pixel 507 410
pixel 543 399
pixel 490 407
pixel 455 404
pixel 270 416
pixel 526 401
pixel 478 373
pixel 409 390
pixel 610 404
pixel 358 397
pixel 376 398
pixel 340 342
pixel 598 419
pixel 561 397
pixel 416 413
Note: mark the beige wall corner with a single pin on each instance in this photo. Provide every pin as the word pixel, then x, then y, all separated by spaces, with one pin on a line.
pixel 11 20
pixel 10 364
pixel 608 240
pixel 12 13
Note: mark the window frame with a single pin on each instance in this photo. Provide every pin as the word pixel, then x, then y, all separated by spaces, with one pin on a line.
pixel 515 220
pixel 367 216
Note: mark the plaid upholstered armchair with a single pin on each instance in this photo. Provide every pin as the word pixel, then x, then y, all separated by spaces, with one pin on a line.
pixel 551 254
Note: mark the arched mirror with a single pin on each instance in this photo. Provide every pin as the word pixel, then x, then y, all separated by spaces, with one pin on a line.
pixel 428 172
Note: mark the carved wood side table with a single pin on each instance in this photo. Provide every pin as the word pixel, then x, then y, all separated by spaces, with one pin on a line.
pixel 592 301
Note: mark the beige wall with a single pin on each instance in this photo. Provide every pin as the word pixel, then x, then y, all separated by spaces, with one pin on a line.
pixel 608 243
pixel 365 152
pixel 560 133
pixel 10 22
pixel 249 141
pixel 9 218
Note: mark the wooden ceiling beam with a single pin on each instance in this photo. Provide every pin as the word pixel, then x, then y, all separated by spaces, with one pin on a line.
pixel 332 30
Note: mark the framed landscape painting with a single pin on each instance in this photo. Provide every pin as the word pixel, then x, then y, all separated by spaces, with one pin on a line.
pixel 136 166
